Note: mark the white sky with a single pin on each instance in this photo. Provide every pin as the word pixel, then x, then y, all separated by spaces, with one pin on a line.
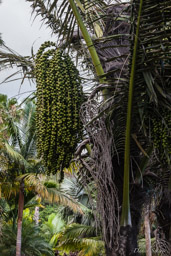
pixel 20 33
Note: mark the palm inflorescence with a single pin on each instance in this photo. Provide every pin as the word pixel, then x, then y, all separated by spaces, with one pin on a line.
pixel 59 96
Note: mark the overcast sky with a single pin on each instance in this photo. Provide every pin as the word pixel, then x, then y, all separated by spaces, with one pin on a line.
pixel 20 33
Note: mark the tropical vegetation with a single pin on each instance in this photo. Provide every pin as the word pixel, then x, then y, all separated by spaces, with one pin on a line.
pixel 108 147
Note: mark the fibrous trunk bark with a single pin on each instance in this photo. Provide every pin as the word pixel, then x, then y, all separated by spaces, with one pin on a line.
pixel 147 232
pixel 127 243
pixel 163 213
pixel 20 218
pixel 110 252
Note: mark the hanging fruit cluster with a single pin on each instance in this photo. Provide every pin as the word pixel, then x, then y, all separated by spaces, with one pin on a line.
pixel 59 97
pixel 161 129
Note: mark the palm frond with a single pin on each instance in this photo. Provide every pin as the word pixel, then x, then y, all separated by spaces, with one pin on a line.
pixel 58 196
pixel 152 80
pixel 92 247
pixel 78 230
pixel 32 242
pixel 59 17
pixel 16 156
pixel 53 226
pixel 76 237
pixel 12 130
pixel 1 41
pixel 72 187
pixel 46 10
pixel 53 195
pixel 154 51
pixel 8 188
pixel 10 59
pixel 85 246
pixel 28 129
pixel 126 217
pixel 10 116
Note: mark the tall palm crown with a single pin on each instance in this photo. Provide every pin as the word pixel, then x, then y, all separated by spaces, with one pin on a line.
pixel 18 178
pixel 20 148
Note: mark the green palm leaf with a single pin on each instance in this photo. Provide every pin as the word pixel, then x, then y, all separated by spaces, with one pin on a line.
pixel 50 194
pixel 16 156
pixel 59 16
pixel 32 242
pixel 76 237
pixel 9 59
pixel 78 230
pixel 147 62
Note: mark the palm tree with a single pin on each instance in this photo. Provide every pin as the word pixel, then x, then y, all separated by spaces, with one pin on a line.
pixel 19 174
pixel 139 147
pixel 130 155
pixel 80 238
pixel 32 242
pixel 53 227
pixel 10 113
pixel 78 234
pixel 20 150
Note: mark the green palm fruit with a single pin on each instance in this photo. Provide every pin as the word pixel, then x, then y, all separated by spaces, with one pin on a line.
pixel 161 135
pixel 59 97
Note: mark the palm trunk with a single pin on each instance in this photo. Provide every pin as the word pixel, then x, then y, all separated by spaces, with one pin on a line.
pixel 36 215
pixel 163 211
pixel 147 232
pixel 127 243
pixel 20 219
pixel 110 252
